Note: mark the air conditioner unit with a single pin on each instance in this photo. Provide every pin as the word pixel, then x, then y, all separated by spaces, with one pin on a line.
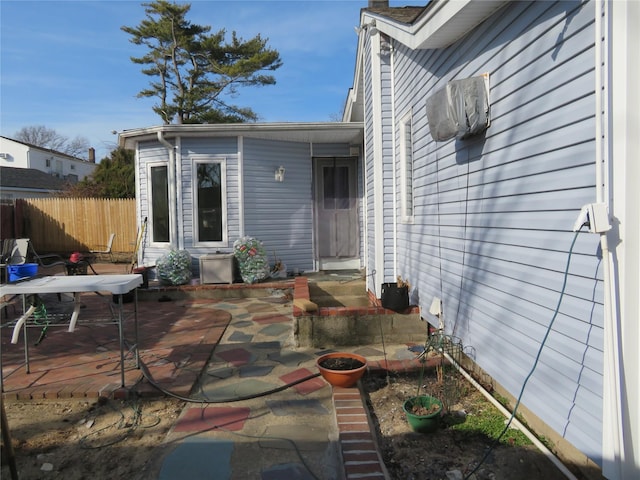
pixel 460 109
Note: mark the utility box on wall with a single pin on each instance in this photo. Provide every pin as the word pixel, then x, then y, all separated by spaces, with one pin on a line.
pixel 217 268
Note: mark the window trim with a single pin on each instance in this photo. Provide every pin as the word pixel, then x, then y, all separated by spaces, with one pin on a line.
pixel 150 166
pixel 222 161
pixel 407 211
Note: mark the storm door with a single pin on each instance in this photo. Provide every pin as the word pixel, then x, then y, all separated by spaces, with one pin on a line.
pixel 337 226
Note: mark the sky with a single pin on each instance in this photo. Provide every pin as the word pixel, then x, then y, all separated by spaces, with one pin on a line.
pixel 66 64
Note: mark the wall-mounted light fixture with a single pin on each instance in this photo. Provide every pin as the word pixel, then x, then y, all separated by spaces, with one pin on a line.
pixel 279 175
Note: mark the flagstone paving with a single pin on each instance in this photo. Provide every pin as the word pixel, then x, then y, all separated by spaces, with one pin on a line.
pixel 258 408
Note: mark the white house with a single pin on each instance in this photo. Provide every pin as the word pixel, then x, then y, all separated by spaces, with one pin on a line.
pixel 478 139
pixel 16 154
pixel 488 126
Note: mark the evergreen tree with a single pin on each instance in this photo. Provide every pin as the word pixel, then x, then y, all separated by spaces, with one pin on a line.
pixel 114 177
pixel 195 71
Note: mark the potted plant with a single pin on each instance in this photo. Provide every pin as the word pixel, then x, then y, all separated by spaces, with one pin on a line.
pixel 423 413
pixel 341 369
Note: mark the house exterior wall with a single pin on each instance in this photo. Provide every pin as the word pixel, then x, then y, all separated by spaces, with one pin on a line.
pixel 146 153
pixel 18 155
pixel 380 188
pixel 280 214
pixel 493 214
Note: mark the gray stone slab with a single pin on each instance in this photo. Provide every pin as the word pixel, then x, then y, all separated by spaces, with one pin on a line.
pixel 288 471
pixel 230 307
pixel 303 436
pixel 235 390
pixel 403 354
pixel 221 373
pixel 255 370
pixel 274 345
pixel 307 406
pixel 289 358
pixel 369 352
pixel 276 329
pixel 242 323
pixel 198 457
pixel 238 336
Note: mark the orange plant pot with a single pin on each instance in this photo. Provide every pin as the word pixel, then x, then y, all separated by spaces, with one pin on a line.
pixel 344 376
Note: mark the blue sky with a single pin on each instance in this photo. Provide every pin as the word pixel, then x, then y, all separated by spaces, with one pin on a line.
pixel 66 64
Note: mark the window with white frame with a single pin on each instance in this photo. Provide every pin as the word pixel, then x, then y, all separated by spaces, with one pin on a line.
pixel 159 204
pixel 210 213
pixel 406 169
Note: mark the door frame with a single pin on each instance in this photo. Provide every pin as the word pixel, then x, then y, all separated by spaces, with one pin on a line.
pixel 335 263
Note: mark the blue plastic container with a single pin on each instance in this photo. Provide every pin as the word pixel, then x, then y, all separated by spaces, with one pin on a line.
pixel 18 272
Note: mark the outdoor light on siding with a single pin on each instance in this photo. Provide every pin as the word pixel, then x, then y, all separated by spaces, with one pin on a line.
pixel 280 174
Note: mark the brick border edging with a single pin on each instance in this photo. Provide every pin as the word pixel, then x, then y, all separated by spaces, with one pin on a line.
pixel 362 458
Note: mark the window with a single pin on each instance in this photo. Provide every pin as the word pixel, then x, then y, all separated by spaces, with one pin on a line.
pixel 336 188
pixel 406 169
pixel 210 203
pixel 159 186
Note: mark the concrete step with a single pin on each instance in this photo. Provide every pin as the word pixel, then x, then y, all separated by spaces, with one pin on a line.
pixel 352 328
pixel 341 300
pixel 337 288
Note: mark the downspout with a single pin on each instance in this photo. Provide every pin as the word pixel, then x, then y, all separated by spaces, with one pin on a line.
pixel 394 147
pixel 619 127
pixel 241 186
pixel 173 201
pixel 378 162
pixel 612 451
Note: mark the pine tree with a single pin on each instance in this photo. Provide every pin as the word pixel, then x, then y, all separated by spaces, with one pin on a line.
pixel 195 71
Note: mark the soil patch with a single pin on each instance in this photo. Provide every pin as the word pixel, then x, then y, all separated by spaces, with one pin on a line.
pixel 466 429
pixel 103 439
pixel 341 363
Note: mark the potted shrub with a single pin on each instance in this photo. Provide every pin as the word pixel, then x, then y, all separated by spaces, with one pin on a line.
pixel 341 369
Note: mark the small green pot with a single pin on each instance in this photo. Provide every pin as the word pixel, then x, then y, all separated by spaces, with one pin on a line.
pixel 423 423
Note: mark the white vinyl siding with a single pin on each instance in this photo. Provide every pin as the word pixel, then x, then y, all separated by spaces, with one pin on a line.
pixel 280 214
pixel 493 214
pixel 406 169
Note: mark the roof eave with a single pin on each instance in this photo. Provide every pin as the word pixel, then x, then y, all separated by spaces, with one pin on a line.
pixel 321 132
pixel 441 24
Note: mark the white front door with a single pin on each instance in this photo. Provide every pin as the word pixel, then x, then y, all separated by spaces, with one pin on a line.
pixel 337 226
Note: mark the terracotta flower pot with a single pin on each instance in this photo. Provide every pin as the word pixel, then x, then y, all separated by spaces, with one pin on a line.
pixel 423 413
pixel 341 369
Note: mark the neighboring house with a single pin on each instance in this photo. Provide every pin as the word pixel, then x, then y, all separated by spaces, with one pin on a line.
pixel 482 226
pixel 28 183
pixel 294 186
pixel 16 154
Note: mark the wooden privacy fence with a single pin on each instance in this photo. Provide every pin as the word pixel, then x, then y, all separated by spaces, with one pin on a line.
pixel 76 224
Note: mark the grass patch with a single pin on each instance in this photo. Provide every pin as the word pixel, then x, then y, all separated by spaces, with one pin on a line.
pixel 486 419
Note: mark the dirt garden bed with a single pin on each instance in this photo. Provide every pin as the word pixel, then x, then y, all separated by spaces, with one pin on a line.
pixel 115 439
pixel 102 439
pixel 463 437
